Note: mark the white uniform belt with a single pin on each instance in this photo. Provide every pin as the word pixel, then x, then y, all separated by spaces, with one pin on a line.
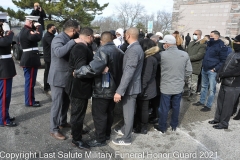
pixel 30 49
pixel 5 56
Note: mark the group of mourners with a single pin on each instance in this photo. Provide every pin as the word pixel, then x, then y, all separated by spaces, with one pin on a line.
pixel 119 69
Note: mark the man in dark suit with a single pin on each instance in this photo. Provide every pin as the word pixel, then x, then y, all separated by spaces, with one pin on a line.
pixel 130 85
pixel 79 90
pixel 60 48
pixel 109 56
pixel 46 41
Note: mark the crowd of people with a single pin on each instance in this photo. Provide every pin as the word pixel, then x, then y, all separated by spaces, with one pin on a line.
pixel 120 69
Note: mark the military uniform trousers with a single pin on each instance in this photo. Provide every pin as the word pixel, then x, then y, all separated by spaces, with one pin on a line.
pixel 5 98
pixel 30 75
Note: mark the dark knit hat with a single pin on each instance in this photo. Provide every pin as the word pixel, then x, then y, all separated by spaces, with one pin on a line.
pixel 237 38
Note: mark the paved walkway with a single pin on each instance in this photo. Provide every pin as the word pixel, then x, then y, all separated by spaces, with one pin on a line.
pixel 195 139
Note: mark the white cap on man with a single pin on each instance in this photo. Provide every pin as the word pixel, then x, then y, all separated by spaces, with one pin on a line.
pixel 3 16
pixel 169 39
pixel 32 18
pixel 159 34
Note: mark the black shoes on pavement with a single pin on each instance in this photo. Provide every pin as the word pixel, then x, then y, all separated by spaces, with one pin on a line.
pixel 213 122
pixel 218 126
pixel 198 104
pixel 81 145
pixel 36 104
pixel 95 143
pixel 205 109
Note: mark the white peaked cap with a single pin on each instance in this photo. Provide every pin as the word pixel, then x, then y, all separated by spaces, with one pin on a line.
pixel 3 15
pixel 32 18
pixel 170 39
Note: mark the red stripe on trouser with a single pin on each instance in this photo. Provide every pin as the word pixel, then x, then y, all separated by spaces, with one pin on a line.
pixel 4 101
pixel 30 87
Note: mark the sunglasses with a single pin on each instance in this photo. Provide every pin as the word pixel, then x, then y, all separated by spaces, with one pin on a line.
pixel 194 34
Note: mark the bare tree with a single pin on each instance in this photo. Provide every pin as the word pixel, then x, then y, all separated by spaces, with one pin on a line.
pixel 163 22
pixel 128 14
pixel 105 24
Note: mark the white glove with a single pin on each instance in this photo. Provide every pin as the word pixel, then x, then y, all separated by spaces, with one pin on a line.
pixel 36 24
pixel 5 27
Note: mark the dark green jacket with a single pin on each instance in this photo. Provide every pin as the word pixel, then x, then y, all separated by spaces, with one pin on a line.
pixel 196 51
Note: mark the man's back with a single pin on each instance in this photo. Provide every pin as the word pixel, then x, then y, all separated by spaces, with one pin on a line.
pixel 61 45
pixel 112 57
pixel 175 65
pixel 132 69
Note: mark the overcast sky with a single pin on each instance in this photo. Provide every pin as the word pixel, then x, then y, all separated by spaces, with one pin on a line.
pixel 150 5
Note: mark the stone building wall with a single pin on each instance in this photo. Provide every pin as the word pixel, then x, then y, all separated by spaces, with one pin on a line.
pixel 207 15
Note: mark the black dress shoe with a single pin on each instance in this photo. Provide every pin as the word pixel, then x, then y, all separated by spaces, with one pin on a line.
pixel 198 104
pixel 12 119
pixel 137 130
pixel 34 105
pixel 213 122
pixel 237 117
pixel 81 144
pixel 205 109
pixel 220 127
pixel 11 124
pixel 95 143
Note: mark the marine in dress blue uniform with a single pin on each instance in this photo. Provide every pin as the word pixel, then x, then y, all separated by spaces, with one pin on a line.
pixel 7 72
pixel 30 35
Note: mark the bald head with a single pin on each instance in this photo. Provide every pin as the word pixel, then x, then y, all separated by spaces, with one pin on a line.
pixel 133 32
pixel 132 35
pixel 106 37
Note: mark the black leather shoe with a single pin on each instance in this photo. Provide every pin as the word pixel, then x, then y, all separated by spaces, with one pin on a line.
pixel 213 122
pixel 95 143
pixel 12 119
pixel 205 109
pixel 198 104
pixel 219 127
pixel 35 105
pixel 137 130
pixel 237 117
pixel 81 144
pixel 11 124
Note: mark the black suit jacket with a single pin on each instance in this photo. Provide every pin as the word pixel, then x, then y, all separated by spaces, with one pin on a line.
pixel 46 42
pixel 80 55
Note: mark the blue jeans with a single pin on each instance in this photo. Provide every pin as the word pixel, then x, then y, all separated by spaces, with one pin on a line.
pixel 208 79
pixel 168 101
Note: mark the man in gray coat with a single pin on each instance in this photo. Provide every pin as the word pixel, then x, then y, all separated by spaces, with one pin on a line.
pixel 130 85
pixel 60 48
pixel 175 68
